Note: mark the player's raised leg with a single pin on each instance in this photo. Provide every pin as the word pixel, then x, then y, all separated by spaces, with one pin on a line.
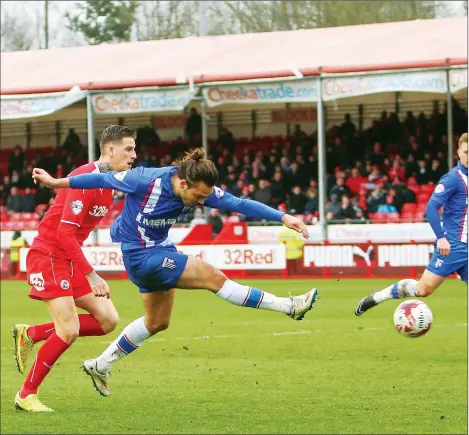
pixel 199 274
pixel 404 288
pixel 158 306
pixel 64 314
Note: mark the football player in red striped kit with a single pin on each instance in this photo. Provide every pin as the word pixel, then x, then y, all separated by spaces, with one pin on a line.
pixel 60 275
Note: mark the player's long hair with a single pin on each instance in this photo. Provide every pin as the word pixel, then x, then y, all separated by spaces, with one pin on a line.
pixel 195 168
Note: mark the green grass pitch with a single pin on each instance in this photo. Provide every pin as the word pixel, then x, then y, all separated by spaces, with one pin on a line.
pixel 226 369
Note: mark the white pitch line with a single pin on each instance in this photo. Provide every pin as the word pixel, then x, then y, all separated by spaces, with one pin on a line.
pixel 272 334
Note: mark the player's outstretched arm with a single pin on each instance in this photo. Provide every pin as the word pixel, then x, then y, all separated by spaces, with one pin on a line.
pixel 225 201
pixel 41 176
pixel 126 181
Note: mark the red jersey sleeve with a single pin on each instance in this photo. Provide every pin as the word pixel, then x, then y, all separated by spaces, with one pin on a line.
pixel 76 207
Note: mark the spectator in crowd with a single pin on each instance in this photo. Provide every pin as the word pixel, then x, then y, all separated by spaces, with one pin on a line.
pixel 43 194
pixel 312 202
pixel 435 172
pixel 377 157
pixel 297 176
pixel 423 174
pixel 299 134
pixel 411 166
pixel 410 124
pixel 278 189
pixel 346 211
pixel 147 137
pixel 215 221
pixel 15 179
pixel 354 182
pixel 408 195
pixel 194 126
pixel 263 193
pixel 375 175
pixel 395 199
pixel 397 171
pixel 375 199
pixel 339 189
pixel 14 201
pixel 347 128
pixel 17 159
pixel 297 201
pixel 28 201
pixel 72 143
pixel 245 193
pixel 226 140
pixel 237 188
pixel 27 177
pixel 198 218
pixel 332 208
pixel 69 166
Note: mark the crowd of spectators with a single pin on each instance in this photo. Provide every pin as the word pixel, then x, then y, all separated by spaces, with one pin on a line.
pixel 375 171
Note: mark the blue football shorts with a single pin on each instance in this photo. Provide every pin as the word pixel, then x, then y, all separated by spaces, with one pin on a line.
pixel 456 261
pixel 155 269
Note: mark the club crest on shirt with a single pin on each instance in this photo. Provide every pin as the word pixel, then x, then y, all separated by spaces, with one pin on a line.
pixel 218 192
pixel 440 188
pixel 76 206
pixel 120 175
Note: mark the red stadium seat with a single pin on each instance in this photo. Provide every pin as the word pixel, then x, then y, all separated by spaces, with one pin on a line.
pixel 392 217
pixel 407 216
pixel 422 198
pixel 409 207
pixel 427 188
pixel 419 216
pixel 415 188
pixel 378 218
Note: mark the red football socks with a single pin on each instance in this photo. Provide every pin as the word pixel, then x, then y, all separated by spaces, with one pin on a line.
pixel 89 326
pixel 46 357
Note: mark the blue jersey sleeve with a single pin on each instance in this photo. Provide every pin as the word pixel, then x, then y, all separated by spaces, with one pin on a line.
pixel 125 181
pixel 444 190
pixel 225 201
pixel 434 219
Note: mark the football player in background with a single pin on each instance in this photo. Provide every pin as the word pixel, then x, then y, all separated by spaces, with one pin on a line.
pixel 450 253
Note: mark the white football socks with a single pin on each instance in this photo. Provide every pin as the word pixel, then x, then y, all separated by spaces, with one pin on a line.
pixel 130 339
pixel 246 296
pixel 402 289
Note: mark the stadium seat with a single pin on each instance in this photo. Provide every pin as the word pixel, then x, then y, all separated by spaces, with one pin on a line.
pixel 409 207
pixel 378 218
pixel 407 217
pixel 427 188
pixel 392 217
pixel 40 208
pixel 422 198
pixel 415 188
pixel 419 216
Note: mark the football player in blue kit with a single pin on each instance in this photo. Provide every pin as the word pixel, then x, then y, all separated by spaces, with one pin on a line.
pixel 450 253
pixel 156 198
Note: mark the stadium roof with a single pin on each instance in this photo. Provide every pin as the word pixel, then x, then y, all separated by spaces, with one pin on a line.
pixel 409 44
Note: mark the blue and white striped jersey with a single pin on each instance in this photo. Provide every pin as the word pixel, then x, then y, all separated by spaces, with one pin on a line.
pixel 151 207
pixel 451 194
